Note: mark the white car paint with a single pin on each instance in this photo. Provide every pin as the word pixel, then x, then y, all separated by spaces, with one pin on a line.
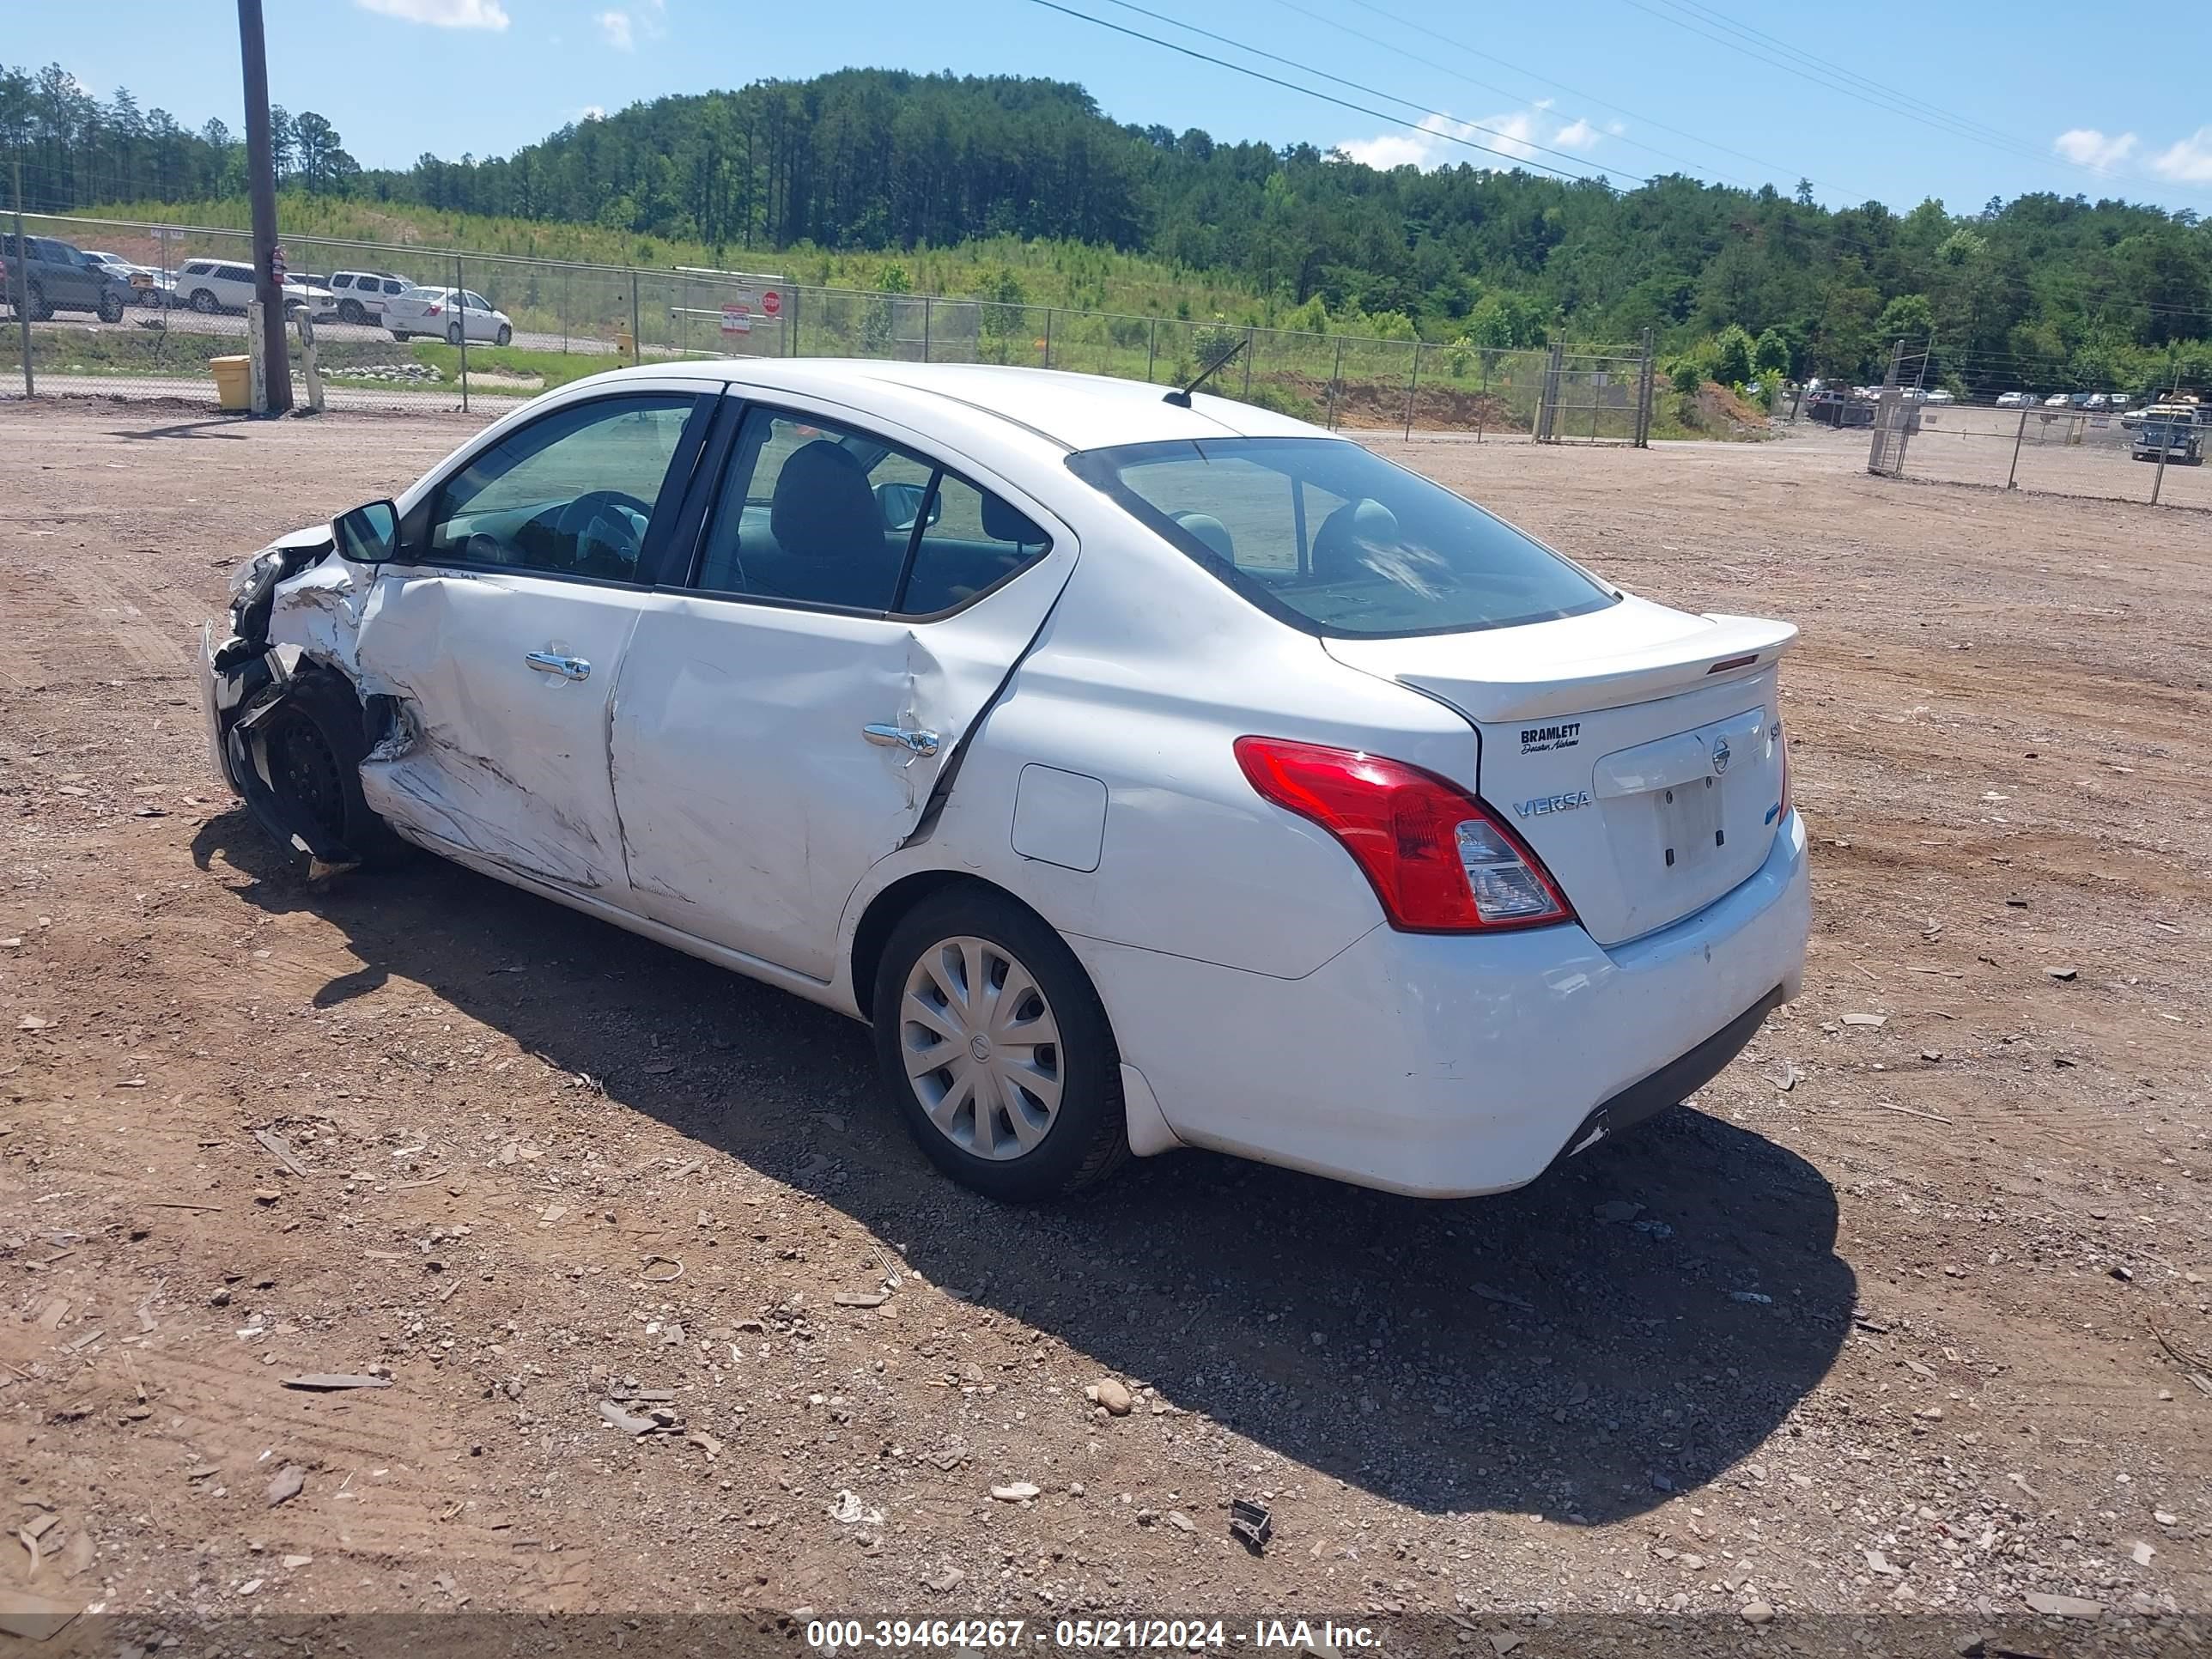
pixel 708 784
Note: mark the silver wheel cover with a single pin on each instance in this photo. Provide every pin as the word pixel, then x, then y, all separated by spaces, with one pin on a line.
pixel 981 1047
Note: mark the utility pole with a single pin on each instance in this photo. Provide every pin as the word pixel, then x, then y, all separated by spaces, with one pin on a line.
pixel 261 179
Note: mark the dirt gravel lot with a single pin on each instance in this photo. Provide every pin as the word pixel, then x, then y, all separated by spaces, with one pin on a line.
pixel 1904 1323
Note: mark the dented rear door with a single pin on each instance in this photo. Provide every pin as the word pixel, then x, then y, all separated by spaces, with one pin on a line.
pixel 767 754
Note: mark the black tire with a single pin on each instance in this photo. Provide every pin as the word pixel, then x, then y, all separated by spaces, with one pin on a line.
pixel 453 334
pixel 1088 1136
pixel 505 336
pixel 349 311
pixel 401 335
pixel 203 302
pixel 40 311
pixel 314 742
pixel 110 306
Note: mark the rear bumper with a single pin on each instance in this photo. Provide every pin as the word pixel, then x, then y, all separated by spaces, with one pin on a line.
pixel 1443 1066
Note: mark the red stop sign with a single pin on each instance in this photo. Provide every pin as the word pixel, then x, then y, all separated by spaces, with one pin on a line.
pixel 771 302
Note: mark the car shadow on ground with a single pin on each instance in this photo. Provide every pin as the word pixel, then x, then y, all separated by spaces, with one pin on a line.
pixel 1556 1350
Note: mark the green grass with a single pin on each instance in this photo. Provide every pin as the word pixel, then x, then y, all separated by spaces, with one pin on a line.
pixel 1049 273
pixel 161 354
pixel 553 368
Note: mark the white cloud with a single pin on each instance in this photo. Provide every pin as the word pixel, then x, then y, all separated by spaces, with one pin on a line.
pixel 2190 161
pixel 442 13
pixel 1516 135
pixel 592 112
pixel 2089 148
pixel 616 25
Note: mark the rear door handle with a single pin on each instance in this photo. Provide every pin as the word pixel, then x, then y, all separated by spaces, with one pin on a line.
pixel 898 737
pixel 569 668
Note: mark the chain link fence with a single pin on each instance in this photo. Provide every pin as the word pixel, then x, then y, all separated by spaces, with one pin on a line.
pixel 2152 453
pixel 398 328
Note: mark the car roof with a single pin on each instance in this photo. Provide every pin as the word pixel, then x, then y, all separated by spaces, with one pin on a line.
pixel 1070 410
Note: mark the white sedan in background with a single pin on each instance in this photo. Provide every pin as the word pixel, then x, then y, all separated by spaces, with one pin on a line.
pixel 1148 773
pixel 447 314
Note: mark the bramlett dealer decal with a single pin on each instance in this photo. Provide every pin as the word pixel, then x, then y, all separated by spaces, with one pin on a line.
pixel 1535 739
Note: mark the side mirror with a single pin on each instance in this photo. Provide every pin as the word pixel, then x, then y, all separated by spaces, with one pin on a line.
pixel 368 535
pixel 901 504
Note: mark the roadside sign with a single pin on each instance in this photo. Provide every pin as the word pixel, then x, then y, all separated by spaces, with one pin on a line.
pixel 772 302
pixel 737 318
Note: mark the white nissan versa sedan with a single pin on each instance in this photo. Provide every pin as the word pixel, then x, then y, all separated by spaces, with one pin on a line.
pixel 1149 771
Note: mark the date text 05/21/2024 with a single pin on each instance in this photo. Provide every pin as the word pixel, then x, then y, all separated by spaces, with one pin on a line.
pixel 1086 1635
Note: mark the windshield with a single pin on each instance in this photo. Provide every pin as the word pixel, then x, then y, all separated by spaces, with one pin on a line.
pixel 1328 537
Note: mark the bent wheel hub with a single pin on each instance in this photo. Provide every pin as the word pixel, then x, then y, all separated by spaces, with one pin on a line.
pixel 305 772
pixel 981 1047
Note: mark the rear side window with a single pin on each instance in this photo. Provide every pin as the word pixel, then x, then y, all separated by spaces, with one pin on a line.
pixel 1325 535
pixel 237 274
pixel 814 513
pixel 199 268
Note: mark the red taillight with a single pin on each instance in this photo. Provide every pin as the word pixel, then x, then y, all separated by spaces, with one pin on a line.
pixel 1440 861
pixel 432 311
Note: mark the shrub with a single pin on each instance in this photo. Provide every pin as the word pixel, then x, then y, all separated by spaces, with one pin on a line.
pixel 1732 354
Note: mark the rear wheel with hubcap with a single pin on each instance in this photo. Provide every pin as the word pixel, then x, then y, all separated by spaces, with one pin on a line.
pixel 993 1043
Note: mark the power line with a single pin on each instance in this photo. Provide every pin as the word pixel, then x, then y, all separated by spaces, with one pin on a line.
pixel 1502 92
pixel 1326 98
pixel 1749 32
pixel 1460 45
pixel 1373 92
pixel 1819 72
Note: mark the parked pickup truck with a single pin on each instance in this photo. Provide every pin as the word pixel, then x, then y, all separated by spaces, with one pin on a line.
pixel 63 278
pixel 2170 435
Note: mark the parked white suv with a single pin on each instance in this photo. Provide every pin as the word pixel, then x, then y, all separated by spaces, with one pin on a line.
pixel 211 285
pixel 362 293
pixel 443 313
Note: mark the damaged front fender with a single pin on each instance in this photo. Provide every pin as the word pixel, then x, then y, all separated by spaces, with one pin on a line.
pixel 287 669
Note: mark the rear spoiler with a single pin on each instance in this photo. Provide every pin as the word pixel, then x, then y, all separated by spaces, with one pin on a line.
pixel 1521 674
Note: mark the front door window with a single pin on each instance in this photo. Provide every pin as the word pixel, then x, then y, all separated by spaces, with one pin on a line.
pixel 571 494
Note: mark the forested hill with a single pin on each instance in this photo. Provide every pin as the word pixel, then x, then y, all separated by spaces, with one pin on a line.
pixel 2043 289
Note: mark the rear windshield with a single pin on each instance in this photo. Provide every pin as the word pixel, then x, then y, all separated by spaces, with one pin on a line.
pixel 1328 537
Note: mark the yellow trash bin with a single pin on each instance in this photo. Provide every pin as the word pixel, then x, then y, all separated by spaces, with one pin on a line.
pixel 234 383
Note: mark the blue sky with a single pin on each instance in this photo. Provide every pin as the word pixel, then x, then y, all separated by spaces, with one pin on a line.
pixel 1909 100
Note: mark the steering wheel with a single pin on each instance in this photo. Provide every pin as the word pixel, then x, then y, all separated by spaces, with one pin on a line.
pixel 604 517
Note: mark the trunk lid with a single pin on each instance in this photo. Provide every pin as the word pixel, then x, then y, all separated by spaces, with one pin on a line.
pixel 1637 749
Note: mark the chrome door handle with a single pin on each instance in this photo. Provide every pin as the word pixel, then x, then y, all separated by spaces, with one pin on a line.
pixel 897 737
pixel 569 668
